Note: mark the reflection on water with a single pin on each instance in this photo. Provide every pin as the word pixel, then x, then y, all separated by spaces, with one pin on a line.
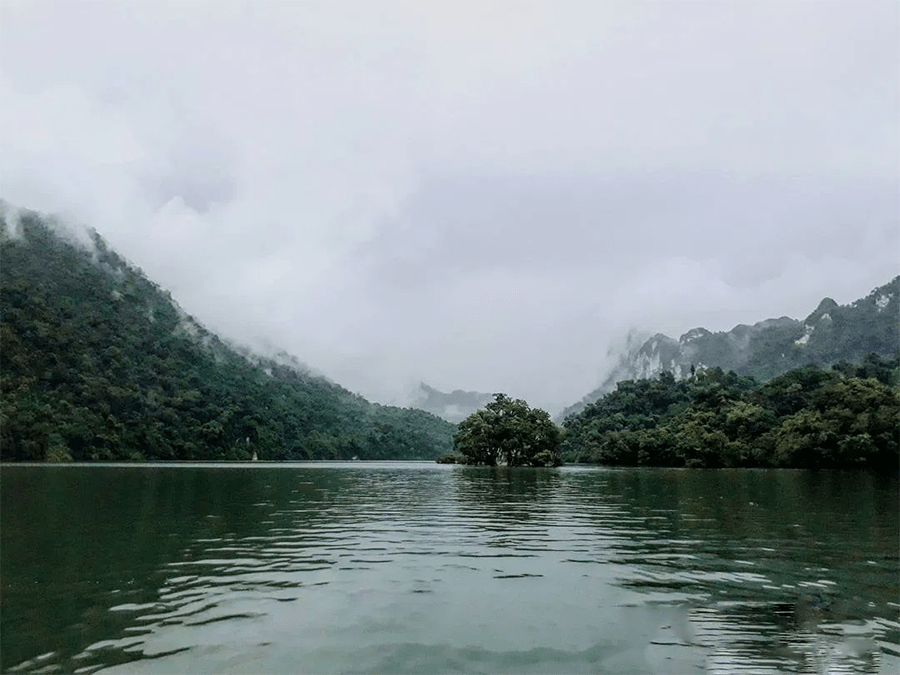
pixel 426 568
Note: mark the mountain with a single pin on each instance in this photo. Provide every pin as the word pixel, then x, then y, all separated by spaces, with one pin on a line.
pixel 100 363
pixel 453 407
pixel 830 334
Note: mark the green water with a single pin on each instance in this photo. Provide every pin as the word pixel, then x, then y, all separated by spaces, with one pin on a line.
pixel 422 568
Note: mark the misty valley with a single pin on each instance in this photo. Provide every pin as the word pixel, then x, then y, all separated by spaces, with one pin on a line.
pixel 101 364
pixel 727 505
pixel 429 337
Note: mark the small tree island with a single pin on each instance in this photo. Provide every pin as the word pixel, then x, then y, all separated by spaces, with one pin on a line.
pixel 508 431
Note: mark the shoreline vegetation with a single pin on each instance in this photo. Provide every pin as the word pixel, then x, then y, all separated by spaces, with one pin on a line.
pixel 847 417
pixel 98 363
pixel 841 418
pixel 507 431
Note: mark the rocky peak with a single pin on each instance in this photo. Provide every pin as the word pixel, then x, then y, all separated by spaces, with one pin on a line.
pixel 694 334
pixel 823 311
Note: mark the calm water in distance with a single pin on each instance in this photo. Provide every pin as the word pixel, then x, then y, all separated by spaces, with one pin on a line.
pixel 422 568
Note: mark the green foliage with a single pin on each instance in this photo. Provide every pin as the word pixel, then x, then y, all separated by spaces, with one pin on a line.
pixel 98 363
pixel 848 417
pixel 508 430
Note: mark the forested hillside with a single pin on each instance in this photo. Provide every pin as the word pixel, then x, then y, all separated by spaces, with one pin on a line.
pixel 99 363
pixel 830 334
pixel 846 417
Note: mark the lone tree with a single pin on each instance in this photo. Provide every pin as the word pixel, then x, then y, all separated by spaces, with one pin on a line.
pixel 507 430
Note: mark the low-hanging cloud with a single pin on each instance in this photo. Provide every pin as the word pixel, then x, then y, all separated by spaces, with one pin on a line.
pixel 479 195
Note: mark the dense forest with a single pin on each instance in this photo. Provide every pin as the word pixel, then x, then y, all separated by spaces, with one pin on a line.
pixel 844 417
pixel 98 363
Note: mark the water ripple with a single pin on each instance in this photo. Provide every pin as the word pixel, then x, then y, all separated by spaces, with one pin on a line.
pixel 414 568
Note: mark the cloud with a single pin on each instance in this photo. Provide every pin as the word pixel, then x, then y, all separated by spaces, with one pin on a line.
pixel 460 193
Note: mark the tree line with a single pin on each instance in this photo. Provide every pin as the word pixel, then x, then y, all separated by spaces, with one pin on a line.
pixel 844 417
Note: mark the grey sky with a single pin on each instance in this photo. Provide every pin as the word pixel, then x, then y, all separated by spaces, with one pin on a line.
pixel 479 195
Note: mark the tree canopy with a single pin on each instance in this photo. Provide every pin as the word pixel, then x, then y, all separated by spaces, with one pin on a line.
pixel 846 417
pixel 508 430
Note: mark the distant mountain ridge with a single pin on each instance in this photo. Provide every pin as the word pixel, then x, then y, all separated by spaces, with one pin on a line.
pixel 100 363
pixel 453 407
pixel 769 348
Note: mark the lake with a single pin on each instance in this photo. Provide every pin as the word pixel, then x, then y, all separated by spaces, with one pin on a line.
pixel 425 568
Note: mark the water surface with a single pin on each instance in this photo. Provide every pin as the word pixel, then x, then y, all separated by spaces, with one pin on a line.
pixel 422 568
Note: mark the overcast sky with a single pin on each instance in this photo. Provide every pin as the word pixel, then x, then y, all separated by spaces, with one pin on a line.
pixel 478 195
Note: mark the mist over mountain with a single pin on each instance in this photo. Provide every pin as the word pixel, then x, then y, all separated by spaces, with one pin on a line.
pixel 768 348
pixel 453 407
pixel 100 363
pixel 471 195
